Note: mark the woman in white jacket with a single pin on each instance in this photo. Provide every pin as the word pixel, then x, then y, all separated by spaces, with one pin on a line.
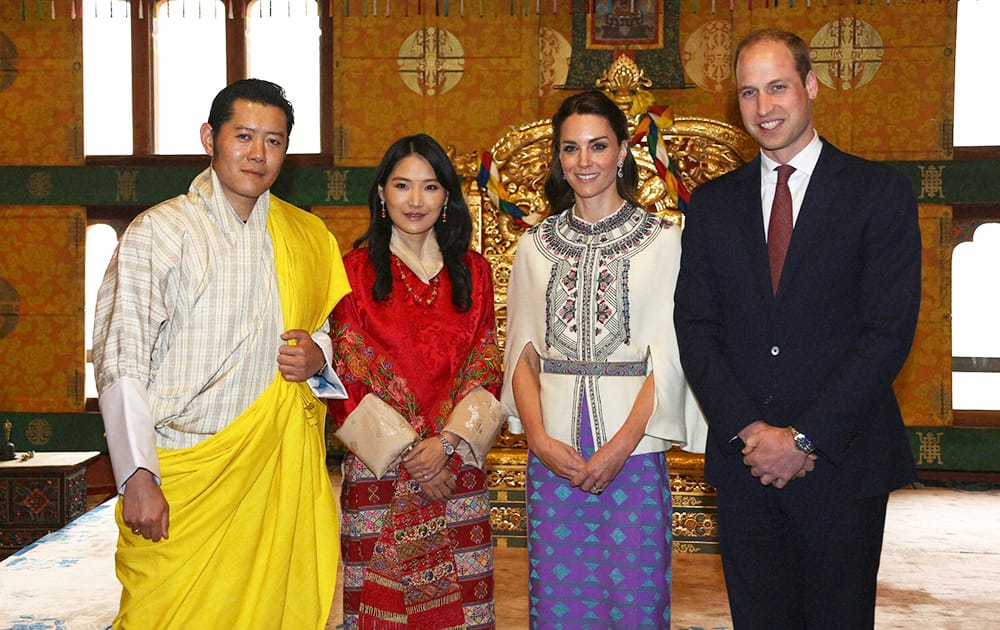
pixel 593 370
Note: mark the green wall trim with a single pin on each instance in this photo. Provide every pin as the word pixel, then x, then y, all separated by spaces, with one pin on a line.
pixel 967 181
pixel 144 186
pixel 960 449
pixel 56 431
pixel 934 448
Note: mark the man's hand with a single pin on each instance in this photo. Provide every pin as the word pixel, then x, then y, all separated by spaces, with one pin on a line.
pixel 144 508
pixel 772 456
pixel 300 358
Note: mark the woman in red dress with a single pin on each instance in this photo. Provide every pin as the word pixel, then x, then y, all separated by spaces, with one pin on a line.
pixel 416 349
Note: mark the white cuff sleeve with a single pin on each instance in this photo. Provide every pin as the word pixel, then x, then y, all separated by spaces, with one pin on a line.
pixel 326 384
pixel 130 430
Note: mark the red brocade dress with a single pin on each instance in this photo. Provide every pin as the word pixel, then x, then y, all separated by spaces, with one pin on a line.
pixel 410 562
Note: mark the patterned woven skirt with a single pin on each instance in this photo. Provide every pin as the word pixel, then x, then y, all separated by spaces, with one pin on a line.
pixel 365 503
pixel 600 561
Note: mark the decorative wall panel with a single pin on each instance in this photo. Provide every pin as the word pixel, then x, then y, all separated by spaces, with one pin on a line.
pixel 41 308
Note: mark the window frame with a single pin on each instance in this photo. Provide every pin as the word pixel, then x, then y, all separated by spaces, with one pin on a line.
pixel 985 211
pixel 143 107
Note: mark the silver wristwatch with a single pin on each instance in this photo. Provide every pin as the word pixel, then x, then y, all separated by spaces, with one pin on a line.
pixel 449 448
pixel 802 443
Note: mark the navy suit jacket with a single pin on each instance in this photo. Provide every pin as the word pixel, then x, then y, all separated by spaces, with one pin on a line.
pixel 822 354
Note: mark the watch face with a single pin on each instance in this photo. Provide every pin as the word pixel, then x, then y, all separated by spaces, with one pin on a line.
pixel 449 448
pixel 803 443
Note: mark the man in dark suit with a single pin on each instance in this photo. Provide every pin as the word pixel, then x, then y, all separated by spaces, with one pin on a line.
pixel 793 355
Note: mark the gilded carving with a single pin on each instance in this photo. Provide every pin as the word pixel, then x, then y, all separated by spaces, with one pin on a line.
pixel 507 519
pixel 626 84
pixel 694 524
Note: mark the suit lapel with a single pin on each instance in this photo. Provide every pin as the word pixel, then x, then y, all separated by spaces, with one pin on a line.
pixel 821 195
pixel 750 225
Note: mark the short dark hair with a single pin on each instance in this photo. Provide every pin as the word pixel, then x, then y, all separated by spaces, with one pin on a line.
pixel 557 189
pixel 795 44
pixel 453 235
pixel 253 90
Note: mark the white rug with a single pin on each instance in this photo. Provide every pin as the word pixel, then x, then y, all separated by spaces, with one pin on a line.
pixel 65 580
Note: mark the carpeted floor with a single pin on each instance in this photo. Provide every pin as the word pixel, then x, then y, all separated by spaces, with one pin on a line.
pixel 940 570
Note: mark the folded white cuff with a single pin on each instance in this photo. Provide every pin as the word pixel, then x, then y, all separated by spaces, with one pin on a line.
pixel 129 429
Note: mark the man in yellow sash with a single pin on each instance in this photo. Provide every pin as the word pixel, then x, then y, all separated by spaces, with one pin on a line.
pixel 209 352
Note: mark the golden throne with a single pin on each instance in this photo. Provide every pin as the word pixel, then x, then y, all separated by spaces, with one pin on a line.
pixel 700 149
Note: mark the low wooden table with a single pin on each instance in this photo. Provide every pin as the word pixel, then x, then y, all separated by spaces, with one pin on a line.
pixel 40 495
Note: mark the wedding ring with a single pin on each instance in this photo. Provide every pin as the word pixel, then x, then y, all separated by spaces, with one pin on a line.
pixel 427 476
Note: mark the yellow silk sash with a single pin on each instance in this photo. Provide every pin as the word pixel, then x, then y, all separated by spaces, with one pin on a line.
pixel 253 522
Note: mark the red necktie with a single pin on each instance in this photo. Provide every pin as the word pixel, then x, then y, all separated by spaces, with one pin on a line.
pixel 779 228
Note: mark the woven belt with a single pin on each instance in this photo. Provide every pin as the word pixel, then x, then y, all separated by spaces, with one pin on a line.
pixel 594 368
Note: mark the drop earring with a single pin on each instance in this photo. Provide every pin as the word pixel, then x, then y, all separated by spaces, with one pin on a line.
pixel 620 171
pixel 444 212
pixel 383 206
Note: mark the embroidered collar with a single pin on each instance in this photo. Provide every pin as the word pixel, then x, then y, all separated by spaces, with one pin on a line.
pixel 628 226
pixel 611 222
pixel 424 264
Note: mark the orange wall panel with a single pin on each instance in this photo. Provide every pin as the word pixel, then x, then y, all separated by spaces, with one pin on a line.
pixel 41 309
pixel 41 110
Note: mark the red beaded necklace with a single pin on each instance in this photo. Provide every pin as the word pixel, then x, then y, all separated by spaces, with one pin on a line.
pixel 427 301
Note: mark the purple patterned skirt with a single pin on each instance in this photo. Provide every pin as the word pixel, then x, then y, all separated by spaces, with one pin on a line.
pixel 600 561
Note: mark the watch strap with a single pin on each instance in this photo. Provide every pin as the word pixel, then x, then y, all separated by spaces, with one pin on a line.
pixel 449 448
